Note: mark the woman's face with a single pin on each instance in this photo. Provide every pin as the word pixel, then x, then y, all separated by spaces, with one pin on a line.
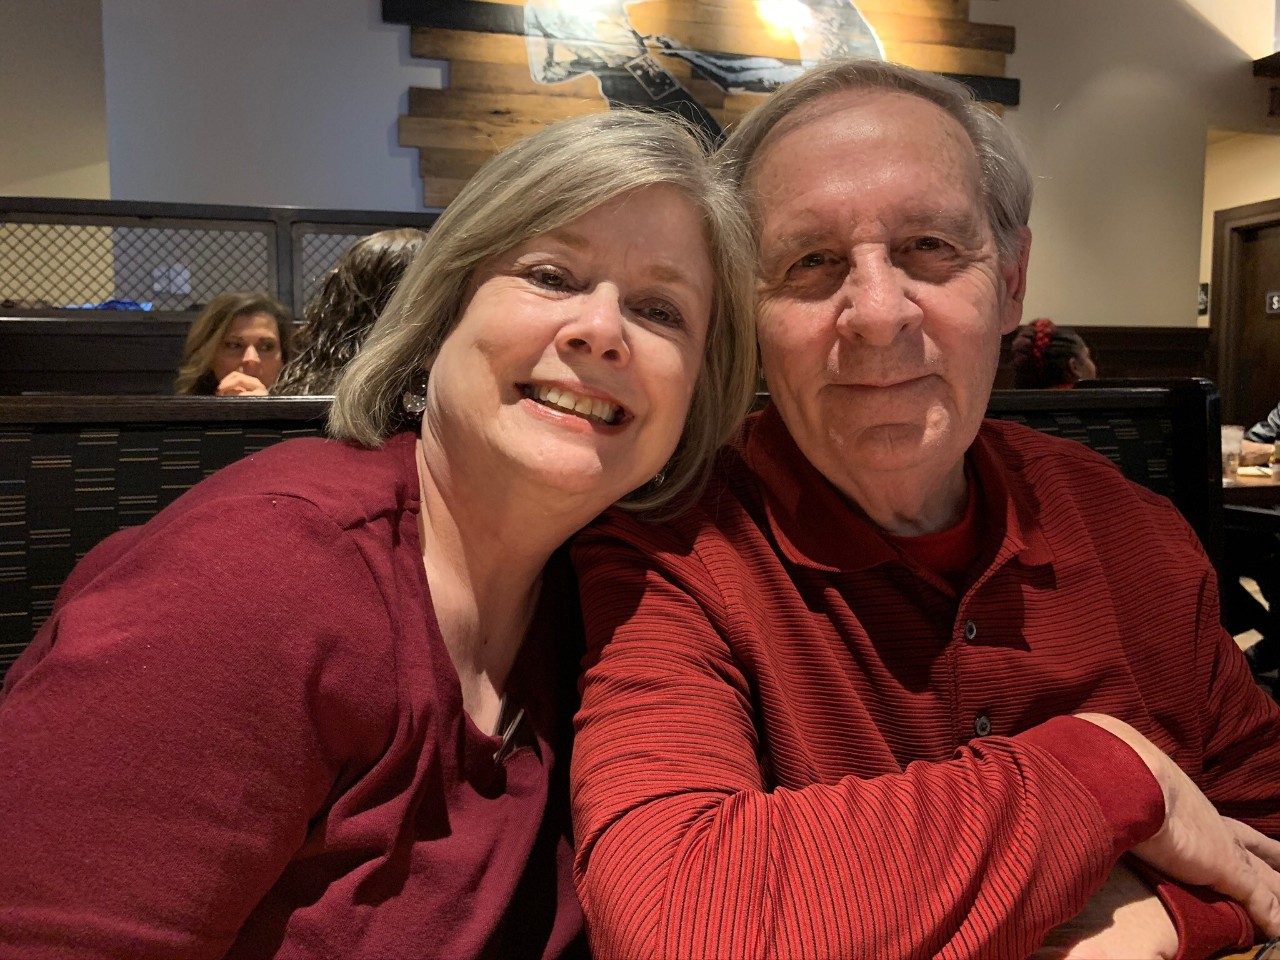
pixel 574 361
pixel 252 346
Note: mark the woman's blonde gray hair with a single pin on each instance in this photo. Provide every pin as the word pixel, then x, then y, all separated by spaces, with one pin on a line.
pixel 1004 179
pixel 541 184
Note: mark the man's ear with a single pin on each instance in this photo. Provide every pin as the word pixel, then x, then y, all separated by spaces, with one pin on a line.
pixel 1014 275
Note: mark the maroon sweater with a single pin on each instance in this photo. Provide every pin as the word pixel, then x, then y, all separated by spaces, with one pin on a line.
pixel 240 734
pixel 796 741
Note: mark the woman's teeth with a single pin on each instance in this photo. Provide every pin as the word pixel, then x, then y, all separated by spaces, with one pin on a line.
pixel 589 407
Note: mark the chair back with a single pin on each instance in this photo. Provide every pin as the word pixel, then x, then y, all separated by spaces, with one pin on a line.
pixel 1162 434
pixel 75 469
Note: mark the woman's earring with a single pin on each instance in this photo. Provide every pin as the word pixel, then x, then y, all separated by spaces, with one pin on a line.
pixel 659 478
pixel 414 399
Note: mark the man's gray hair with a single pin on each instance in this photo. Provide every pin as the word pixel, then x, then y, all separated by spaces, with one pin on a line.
pixel 1005 179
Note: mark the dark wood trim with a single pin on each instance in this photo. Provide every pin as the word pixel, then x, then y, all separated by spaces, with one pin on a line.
pixel 1268 66
pixel 81 410
pixel 148 210
pixel 1226 298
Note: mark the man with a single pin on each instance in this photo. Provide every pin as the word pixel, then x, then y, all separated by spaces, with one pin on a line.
pixel 903 683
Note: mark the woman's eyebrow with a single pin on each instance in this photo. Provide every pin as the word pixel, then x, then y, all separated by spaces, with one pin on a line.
pixel 568 237
pixel 672 274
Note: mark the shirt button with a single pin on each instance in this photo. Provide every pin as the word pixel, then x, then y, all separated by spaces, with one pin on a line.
pixel 970 629
pixel 982 725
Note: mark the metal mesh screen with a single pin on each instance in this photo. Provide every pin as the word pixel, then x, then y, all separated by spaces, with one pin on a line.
pixel 320 251
pixel 169 266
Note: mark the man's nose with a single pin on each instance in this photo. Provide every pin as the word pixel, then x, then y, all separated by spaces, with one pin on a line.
pixel 597 326
pixel 877 307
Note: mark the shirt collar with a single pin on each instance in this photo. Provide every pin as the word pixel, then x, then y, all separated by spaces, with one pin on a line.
pixel 815 526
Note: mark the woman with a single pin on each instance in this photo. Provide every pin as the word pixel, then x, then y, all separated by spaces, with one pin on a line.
pixel 340 316
pixel 237 347
pixel 1049 357
pixel 296 714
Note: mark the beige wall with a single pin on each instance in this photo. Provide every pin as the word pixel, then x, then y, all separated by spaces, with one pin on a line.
pixel 53 116
pixel 1249 24
pixel 1117 98
pixel 1239 168
pixel 281 103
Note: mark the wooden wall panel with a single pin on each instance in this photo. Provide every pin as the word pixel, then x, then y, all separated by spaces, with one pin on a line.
pixel 492 99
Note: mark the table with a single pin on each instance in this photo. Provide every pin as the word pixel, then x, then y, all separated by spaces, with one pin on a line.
pixel 1252 491
pixel 1263 951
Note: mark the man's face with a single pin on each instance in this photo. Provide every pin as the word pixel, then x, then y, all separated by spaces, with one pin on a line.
pixel 882 299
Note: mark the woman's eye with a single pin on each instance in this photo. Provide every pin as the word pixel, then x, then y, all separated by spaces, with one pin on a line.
pixel 664 314
pixel 268 347
pixel 549 277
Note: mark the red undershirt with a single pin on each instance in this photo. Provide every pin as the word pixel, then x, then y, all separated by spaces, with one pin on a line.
pixel 950 554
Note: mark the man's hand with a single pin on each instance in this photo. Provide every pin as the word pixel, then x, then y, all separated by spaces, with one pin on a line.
pixel 1123 919
pixel 237 384
pixel 1198 846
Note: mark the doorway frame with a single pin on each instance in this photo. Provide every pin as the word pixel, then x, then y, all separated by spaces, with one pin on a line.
pixel 1226 298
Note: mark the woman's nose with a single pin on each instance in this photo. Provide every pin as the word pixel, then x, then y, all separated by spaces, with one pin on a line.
pixel 597 327
pixel 250 356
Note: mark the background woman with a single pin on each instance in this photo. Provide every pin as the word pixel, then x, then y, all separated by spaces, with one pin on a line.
pixel 317 706
pixel 341 314
pixel 236 347
pixel 1049 357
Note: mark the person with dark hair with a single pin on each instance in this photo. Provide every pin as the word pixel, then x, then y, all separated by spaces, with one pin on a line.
pixel 237 347
pixel 1049 357
pixel 340 316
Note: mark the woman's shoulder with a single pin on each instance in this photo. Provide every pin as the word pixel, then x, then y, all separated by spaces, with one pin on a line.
pixel 346 482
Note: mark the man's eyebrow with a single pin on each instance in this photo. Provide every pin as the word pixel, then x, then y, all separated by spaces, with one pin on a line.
pixel 962 224
pixel 787 243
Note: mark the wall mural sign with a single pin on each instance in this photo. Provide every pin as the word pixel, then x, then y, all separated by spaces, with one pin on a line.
pixel 515 65
pixel 571 37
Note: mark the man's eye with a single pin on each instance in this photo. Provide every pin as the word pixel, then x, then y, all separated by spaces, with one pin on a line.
pixel 929 244
pixel 811 260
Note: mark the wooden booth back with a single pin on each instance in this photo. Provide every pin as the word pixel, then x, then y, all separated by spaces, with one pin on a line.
pixel 74 470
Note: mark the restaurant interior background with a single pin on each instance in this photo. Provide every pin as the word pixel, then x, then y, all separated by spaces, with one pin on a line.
pixel 1142 119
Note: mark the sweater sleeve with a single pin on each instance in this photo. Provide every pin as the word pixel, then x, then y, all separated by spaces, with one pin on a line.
pixel 684 851
pixel 1265 431
pixel 190 716
pixel 1240 774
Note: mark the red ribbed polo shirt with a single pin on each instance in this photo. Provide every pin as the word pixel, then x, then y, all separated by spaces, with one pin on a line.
pixel 796 742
